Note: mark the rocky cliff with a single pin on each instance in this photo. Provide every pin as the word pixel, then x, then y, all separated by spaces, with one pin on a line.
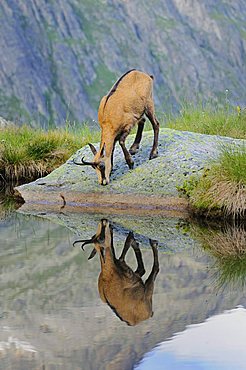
pixel 59 57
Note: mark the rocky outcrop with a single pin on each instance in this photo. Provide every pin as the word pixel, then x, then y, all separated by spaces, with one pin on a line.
pixel 4 123
pixel 152 185
pixel 59 57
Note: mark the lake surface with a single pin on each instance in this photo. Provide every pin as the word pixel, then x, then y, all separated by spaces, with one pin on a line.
pixel 52 315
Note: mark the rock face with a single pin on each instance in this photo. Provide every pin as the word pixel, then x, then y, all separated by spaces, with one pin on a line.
pixel 59 57
pixel 4 123
pixel 180 154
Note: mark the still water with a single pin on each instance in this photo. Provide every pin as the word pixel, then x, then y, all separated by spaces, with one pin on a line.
pixel 154 294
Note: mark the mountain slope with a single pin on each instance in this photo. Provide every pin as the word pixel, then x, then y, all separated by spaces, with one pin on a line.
pixel 59 57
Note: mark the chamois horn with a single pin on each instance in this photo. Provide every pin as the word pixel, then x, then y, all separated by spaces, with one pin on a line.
pixel 85 242
pixel 85 163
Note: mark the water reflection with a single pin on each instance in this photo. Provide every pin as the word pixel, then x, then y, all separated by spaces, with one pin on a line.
pixel 227 244
pixel 119 286
pixel 209 345
pixel 51 315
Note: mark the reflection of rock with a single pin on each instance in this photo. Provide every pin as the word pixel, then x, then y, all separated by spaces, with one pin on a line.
pixel 147 186
pixel 68 325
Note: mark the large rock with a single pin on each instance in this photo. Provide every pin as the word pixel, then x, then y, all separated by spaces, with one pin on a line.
pixel 152 185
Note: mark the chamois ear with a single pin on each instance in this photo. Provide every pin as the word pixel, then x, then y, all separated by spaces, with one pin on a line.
pixel 102 150
pixel 93 253
pixel 93 149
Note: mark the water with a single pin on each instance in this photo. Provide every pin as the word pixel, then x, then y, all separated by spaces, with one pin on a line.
pixel 53 313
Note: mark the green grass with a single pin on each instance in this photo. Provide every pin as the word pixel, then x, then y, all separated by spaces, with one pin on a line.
pixel 221 190
pixel 224 120
pixel 27 153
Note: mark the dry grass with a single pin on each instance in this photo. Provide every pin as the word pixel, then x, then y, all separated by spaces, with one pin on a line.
pixel 229 243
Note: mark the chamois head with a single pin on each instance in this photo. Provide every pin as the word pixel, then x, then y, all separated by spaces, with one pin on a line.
pixel 98 164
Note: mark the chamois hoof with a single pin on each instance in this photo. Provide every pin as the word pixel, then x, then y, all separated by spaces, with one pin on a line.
pixel 153 243
pixel 153 155
pixel 133 150
pixel 131 165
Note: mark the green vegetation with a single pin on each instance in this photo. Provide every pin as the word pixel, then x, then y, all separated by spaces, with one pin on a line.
pixel 27 153
pixel 221 190
pixel 211 120
pixel 228 246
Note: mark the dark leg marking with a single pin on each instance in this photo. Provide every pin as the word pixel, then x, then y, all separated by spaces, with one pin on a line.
pixel 155 124
pixel 127 155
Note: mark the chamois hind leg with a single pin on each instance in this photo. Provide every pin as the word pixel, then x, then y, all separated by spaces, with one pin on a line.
pixel 127 155
pixel 131 242
pixel 135 146
pixel 155 124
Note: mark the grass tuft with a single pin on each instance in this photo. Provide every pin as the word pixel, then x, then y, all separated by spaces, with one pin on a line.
pixel 210 120
pixel 27 153
pixel 221 190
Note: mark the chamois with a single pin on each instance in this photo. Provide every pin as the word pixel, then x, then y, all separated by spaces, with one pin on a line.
pixel 130 98
pixel 118 285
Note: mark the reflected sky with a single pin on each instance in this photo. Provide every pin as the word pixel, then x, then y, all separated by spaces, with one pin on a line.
pixel 216 344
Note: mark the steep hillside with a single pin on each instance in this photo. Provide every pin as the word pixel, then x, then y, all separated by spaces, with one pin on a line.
pixel 59 57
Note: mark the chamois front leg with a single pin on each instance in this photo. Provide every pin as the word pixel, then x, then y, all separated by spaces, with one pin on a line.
pixel 127 155
pixel 135 146
pixel 155 267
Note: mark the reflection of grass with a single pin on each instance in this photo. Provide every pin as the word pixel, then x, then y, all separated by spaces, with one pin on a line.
pixel 8 202
pixel 27 153
pixel 228 246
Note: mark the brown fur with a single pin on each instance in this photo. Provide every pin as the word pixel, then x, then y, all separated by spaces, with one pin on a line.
pixel 119 111
pixel 119 286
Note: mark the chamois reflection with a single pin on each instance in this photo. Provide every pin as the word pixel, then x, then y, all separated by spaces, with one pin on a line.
pixel 118 285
